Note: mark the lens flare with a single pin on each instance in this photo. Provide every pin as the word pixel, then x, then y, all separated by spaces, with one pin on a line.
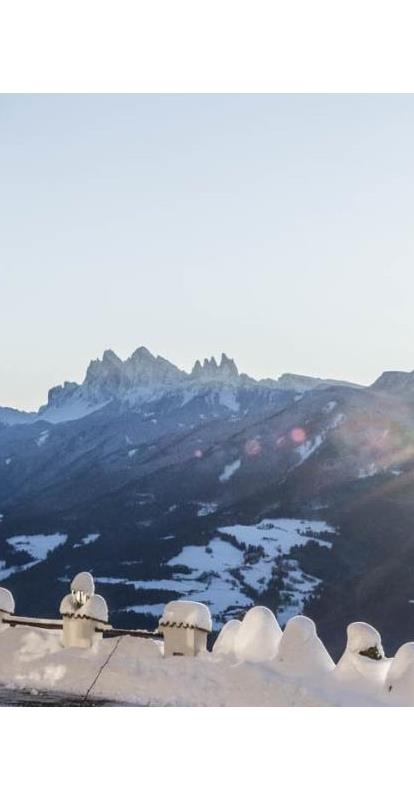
pixel 298 435
pixel 252 447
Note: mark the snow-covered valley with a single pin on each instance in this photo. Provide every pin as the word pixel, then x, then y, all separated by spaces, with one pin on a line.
pixel 237 565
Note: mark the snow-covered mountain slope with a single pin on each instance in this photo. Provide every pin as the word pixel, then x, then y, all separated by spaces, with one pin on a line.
pixel 158 465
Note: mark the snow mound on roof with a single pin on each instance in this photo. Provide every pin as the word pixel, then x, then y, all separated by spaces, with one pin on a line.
pixel 355 665
pixel 259 636
pixel 83 582
pixel 224 644
pixel 400 677
pixel 187 612
pixel 362 636
pixel 68 605
pixel 94 608
pixel 6 601
pixel 301 652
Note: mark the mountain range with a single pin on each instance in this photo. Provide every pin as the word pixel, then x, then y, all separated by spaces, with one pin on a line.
pixel 296 493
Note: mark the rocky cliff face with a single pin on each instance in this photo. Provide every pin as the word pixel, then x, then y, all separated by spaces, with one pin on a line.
pixel 143 378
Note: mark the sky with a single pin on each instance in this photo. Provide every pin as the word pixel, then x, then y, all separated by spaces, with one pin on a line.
pixel 276 228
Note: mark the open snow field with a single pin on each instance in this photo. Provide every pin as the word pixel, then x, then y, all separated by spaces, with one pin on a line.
pixel 226 575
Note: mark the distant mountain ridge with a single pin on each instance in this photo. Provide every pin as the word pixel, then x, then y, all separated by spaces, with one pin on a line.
pixel 144 377
pixel 395 381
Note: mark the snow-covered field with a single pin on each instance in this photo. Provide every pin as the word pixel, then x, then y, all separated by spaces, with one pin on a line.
pixel 226 575
pixel 37 546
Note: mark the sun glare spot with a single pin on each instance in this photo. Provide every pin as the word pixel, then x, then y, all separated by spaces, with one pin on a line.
pixel 252 447
pixel 298 435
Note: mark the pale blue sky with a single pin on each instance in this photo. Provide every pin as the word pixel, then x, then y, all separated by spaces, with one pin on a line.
pixel 278 228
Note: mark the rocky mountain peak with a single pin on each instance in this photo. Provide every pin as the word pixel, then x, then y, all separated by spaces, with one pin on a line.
pixel 211 371
pixel 145 368
pixel 102 369
pixel 142 355
pixel 228 367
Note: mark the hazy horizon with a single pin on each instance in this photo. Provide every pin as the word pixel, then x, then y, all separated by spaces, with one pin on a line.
pixel 275 228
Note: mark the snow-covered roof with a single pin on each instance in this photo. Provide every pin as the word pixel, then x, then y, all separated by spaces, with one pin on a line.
pixel 83 582
pixel 186 614
pixel 6 601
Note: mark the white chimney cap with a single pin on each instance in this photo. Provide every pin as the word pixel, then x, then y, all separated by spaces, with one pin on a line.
pixel 83 582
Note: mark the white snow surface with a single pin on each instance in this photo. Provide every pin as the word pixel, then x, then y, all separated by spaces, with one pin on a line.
pixel 229 470
pixel 357 669
pixel 151 609
pixel 224 644
pixel 83 582
pixel 301 652
pixel 71 410
pixel 89 539
pixel 399 683
pixel 368 472
pixel 329 406
pixel 42 438
pixel 308 447
pixel 228 397
pixel 259 635
pixel 94 608
pixel 135 673
pixel 212 580
pixel 206 508
pixel 37 545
